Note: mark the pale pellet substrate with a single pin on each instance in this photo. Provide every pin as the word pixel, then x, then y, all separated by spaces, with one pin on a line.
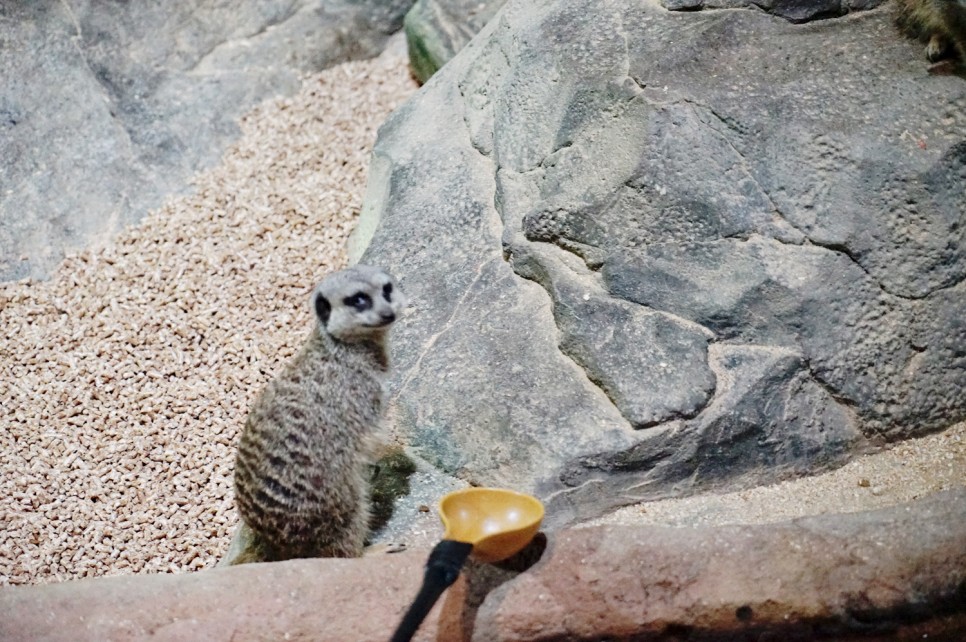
pixel 125 379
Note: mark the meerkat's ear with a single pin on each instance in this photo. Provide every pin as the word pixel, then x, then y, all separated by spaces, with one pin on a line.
pixel 322 308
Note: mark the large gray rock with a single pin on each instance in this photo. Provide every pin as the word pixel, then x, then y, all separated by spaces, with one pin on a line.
pixel 437 30
pixel 105 108
pixel 657 252
pixel 792 10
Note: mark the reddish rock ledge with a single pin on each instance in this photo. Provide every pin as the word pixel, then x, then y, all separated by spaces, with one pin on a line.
pixel 894 574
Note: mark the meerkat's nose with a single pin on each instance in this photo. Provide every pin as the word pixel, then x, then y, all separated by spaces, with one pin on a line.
pixel 388 317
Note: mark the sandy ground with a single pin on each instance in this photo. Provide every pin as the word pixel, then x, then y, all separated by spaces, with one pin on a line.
pixel 905 472
pixel 125 378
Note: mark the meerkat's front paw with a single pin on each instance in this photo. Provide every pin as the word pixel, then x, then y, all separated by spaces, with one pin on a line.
pixel 938 48
pixel 384 549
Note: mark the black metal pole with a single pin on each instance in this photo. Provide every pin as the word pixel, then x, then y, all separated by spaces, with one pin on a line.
pixel 442 569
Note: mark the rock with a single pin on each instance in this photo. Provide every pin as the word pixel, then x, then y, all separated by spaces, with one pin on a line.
pixel 796 11
pixel 330 599
pixel 893 574
pixel 686 250
pixel 242 549
pixel 108 108
pixel 821 577
pixel 437 30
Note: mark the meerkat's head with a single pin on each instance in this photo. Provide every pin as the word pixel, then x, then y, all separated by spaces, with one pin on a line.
pixel 358 303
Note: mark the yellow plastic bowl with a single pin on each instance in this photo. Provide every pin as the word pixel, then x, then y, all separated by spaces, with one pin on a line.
pixel 498 523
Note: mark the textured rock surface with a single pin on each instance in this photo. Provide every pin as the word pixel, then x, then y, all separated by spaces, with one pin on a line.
pixel 685 250
pixel 438 29
pixel 895 574
pixel 792 10
pixel 107 107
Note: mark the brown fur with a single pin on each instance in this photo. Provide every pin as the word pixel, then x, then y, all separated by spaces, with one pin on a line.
pixel 301 469
pixel 941 24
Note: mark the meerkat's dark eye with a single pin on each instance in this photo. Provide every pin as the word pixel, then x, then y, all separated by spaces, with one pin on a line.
pixel 387 292
pixel 360 301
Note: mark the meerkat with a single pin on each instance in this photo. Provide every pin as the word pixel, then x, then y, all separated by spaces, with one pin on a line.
pixel 301 468
pixel 941 24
